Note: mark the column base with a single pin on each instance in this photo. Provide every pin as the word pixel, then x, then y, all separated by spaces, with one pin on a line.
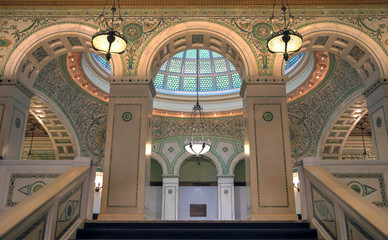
pixel 273 217
pixel 121 217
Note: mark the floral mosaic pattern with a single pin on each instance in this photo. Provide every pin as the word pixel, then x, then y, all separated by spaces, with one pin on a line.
pixel 144 24
pixel 308 116
pixel 169 127
pixel 87 116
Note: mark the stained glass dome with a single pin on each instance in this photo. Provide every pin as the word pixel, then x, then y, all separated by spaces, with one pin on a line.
pixel 293 62
pixel 217 75
pixel 103 63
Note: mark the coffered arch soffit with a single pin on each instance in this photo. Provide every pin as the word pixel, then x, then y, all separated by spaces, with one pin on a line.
pixel 63 137
pixel 198 34
pixel 346 42
pixel 340 126
pixel 41 47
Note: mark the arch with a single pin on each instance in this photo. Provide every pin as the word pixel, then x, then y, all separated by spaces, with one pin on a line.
pixel 339 127
pixel 63 139
pixel 47 44
pixel 160 160
pixel 367 57
pixel 235 160
pixel 198 34
pixel 210 156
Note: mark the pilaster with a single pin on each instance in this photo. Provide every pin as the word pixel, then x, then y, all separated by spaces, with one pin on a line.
pixel 14 105
pixel 127 149
pixel 268 163
pixel 377 102
pixel 170 197
pixel 226 197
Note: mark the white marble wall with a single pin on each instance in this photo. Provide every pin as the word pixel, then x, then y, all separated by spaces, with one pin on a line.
pixel 198 195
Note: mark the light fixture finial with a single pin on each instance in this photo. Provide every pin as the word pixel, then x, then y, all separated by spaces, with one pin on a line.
pixel 286 40
pixel 109 41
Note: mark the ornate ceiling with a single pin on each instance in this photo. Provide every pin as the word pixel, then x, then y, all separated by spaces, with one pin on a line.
pixel 153 3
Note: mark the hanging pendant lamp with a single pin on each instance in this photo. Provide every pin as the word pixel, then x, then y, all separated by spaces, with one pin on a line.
pixel 197 142
pixel 286 40
pixel 109 41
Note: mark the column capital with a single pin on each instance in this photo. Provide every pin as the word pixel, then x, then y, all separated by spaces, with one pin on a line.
pixel 133 80
pixel 170 176
pixel 17 83
pixel 375 85
pixel 263 81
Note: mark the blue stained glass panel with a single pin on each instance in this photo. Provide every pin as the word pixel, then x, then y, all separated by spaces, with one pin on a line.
pixel 163 67
pixel 231 67
pixel 191 54
pixel 190 84
pixel 293 61
pixel 179 55
pixel 173 82
pixel 205 67
pixel 191 67
pixel 175 66
pixel 159 79
pixel 222 82
pixel 204 54
pixel 205 84
pixel 102 61
pixel 219 66
pixel 236 81
pixel 216 55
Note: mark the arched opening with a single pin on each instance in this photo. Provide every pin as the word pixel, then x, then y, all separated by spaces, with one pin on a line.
pixel 240 194
pixel 47 137
pixel 155 190
pixel 198 190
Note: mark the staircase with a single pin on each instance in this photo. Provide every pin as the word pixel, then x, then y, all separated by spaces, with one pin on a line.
pixel 196 230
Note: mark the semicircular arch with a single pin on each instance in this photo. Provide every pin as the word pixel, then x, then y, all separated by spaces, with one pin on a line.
pixel 349 43
pixel 198 34
pixel 210 156
pixel 235 160
pixel 160 160
pixel 41 47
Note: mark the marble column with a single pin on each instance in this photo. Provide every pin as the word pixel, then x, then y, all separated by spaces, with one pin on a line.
pixel 14 105
pixel 170 197
pixel 377 102
pixel 270 194
pixel 127 149
pixel 226 197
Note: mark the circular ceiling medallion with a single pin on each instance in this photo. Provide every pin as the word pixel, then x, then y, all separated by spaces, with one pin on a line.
pixel 132 31
pixel 261 31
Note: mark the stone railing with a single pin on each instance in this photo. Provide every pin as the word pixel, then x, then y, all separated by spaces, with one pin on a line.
pixel 57 209
pixel 337 211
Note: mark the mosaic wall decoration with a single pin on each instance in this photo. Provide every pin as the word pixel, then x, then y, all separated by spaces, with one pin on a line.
pixel 88 118
pixel 323 210
pixel 69 209
pixel 308 116
pixel 36 231
pixel 23 185
pixel 354 230
pixel 140 26
pixel 172 148
pixel 369 185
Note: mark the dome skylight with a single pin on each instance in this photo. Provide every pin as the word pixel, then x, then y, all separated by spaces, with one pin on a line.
pixel 217 75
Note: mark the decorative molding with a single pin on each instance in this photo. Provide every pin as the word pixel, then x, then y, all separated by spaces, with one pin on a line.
pixel 165 3
pixel 19 84
pixel 374 86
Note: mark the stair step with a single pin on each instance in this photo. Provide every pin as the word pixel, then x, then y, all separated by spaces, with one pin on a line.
pixel 242 230
pixel 190 225
pixel 196 234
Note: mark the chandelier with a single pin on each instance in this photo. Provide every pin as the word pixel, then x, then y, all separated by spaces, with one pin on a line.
pixel 195 142
pixel 286 40
pixel 109 41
